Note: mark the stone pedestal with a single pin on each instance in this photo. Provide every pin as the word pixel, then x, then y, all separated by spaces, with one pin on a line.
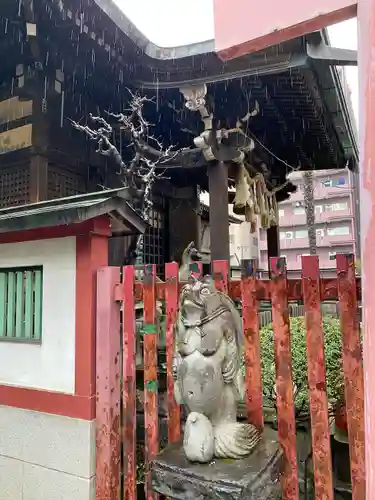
pixel 255 477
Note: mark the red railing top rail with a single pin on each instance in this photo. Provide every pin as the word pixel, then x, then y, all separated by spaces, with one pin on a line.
pixel 328 289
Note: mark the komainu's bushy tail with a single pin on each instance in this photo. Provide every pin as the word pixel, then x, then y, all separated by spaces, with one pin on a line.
pixel 235 440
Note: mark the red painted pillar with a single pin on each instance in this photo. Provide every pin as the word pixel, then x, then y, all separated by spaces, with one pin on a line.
pixel 366 52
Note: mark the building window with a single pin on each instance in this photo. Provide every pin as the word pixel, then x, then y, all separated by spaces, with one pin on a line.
pixel 336 231
pixel 332 255
pixel 340 181
pixel 281 212
pixel 302 233
pixel 14 109
pixel 286 235
pixel 298 210
pixel 336 207
pixel 319 233
pixel 21 291
pixel 318 209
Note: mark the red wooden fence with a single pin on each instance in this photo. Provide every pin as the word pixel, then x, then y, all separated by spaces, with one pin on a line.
pixel 115 424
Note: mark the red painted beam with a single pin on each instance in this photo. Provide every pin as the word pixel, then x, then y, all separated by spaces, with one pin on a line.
pixel 366 67
pixel 245 26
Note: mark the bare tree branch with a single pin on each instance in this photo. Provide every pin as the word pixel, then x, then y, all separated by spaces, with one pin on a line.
pixel 141 173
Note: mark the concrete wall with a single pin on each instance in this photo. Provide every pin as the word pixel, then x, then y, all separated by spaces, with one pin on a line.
pixel 51 365
pixel 243 243
pixel 45 457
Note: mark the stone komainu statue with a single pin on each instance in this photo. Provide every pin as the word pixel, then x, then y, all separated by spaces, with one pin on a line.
pixel 208 380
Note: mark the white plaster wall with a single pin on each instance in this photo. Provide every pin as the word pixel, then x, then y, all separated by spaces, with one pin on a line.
pixel 244 244
pixel 45 457
pixel 51 365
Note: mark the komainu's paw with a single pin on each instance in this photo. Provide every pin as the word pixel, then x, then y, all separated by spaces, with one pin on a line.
pixel 198 438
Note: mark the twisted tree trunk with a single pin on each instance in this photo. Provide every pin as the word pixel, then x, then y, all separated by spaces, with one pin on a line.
pixel 308 192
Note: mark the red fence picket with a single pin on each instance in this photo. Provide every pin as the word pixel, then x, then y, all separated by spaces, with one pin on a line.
pixel 107 386
pixel 353 372
pixel 129 385
pixel 253 377
pixel 171 309
pixel 279 290
pixel 150 373
pixel 284 381
pixel 317 379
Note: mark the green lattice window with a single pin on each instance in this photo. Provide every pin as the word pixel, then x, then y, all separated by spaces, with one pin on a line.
pixel 21 293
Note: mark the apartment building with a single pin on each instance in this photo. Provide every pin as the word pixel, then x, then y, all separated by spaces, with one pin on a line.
pixel 335 221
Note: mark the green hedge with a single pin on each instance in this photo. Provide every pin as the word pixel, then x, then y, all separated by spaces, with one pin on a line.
pixel 334 374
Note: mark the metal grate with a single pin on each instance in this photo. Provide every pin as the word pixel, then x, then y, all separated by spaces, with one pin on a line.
pixel 154 240
pixel 14 187
pixel 21 291
pixel 63 183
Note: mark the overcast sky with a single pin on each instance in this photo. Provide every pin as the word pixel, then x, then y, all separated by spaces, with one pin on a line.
pixel 170 23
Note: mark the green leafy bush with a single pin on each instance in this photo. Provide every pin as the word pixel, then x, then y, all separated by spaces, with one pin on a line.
pixel 334 373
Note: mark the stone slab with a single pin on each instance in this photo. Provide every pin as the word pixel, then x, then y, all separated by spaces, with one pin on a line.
pixel 255 477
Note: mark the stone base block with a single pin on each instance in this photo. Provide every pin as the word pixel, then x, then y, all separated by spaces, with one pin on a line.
pixel 255 477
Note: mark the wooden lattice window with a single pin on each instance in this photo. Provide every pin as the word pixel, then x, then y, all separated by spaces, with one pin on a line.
pixel 14 187
pixel 21 291
pixel 64 183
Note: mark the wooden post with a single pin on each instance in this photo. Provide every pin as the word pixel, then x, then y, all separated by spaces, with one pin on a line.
pixel 38 178
pixel 273 245
pixel 273 242
pixel 40 138
pixel 219 212
pixel 184 221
